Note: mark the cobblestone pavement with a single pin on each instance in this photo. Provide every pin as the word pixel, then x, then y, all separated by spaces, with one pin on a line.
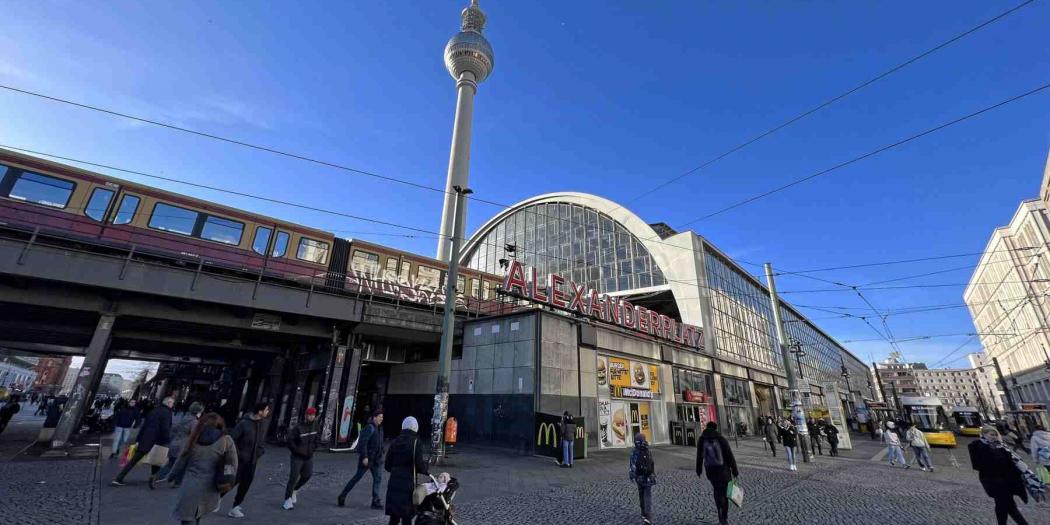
pixel 498 487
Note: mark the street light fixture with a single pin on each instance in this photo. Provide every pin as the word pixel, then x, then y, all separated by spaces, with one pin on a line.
pixel 796 348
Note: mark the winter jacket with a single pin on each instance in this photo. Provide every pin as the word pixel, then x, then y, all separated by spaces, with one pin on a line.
pixel 771 433
pixel 406 453
pixel 156 429
pixel 303 439
pixel 916 438
pixel 832 434
pixel 996 470
pixel 250 437
pixel 788 436
pixel 370 445
pixel 642 481
pixel 126 417
pixel 568 429
pixel 197 494
pixel 181 429
pixel 1040 447
pixel 728 469
pixel 9 411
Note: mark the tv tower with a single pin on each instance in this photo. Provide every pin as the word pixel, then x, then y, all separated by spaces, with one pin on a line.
pixel 469 59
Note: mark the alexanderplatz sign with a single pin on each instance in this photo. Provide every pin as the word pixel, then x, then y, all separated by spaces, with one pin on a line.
pixel 567 295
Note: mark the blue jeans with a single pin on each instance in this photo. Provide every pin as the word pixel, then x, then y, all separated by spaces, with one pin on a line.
pixel 377 479
pixel 790 451
pixel 895 454
pixel 566 452
pixel 120 436
pixel 922 455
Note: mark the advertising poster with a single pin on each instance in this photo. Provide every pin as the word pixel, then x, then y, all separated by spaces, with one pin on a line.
pixel 654 378
pixel 604 421
pixel 639 375
pixel 618 430
pixel 345 417
pixel 646 428
pixel 619 372
pixel 602 372
pixel 548 436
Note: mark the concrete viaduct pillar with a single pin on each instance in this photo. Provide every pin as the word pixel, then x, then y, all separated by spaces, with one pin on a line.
pixel 87 381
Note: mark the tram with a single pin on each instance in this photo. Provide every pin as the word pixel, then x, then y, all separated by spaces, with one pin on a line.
pixel 968 420
pixel 928 415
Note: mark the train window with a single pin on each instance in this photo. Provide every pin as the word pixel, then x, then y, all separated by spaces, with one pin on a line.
pixel 365 263
pixel 126 211
pixel 98 203
pixel 222 230
pixel 427 277
pixel 173 219
pixel 475 288
pixel 262 239
pixel 461 284
pixel 405 274
pixel 280 245
pixel 390 272
pixel 41 189
pixel 313 251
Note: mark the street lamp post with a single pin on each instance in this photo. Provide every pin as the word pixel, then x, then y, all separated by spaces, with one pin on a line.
pixel 797 414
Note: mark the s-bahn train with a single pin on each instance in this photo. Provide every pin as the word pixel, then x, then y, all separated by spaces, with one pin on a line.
pixel 40 197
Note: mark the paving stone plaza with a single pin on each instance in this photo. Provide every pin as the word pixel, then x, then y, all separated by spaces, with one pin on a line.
pixel 498 487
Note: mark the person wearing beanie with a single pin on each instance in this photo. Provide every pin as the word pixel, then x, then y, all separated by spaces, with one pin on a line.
pixel 302 442
pixel 180 432
pixel 370 459
pixel 404 461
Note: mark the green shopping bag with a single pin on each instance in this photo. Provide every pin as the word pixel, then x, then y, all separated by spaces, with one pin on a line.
pixel 735 493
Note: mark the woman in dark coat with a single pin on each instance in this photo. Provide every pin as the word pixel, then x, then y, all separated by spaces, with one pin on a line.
pixel 999 475
pixel 403 460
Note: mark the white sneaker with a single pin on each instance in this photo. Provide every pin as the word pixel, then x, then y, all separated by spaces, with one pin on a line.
pixel 236 512
pixel 288 504
pixel 295 497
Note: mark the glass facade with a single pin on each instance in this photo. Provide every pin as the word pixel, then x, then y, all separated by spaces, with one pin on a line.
pixel 574 241
pixel 741 316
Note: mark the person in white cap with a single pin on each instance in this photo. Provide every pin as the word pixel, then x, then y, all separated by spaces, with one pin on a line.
pixel 404 461
pixel 893 445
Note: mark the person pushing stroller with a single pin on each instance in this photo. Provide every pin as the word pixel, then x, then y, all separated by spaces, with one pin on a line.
pixel 436 508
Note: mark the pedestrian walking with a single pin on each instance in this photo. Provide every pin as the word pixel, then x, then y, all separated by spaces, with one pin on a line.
pixel 789 437
pixel 831 433
pixel 920 447
pixel 1040 447
pixel 180 434
pixel 10 409
pixel 568 437
pixel 209 457
pixel 370 459
pixel 155 432
pixel 816 428
pixel 404 461
pixel 642 471
pixel 713 453
pixel 249 435
pixel 769 430
pixel 302 441
pixel 1003 475
pixel 894 450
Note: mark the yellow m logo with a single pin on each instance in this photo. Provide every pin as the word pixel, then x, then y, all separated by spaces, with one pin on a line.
pixel 549 431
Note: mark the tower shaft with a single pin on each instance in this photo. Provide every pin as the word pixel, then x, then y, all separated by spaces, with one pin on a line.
pixel 458 162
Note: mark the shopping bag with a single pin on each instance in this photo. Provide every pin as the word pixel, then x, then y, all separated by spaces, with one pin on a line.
pixel 127 454
pixel 735 493
pixel 157 456
pixel 1043 474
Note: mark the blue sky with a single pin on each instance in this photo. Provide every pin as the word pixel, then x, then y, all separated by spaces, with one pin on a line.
pixel 603 97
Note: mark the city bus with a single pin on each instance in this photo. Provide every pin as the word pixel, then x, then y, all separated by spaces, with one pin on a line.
pixel 928 415
pixel 969 421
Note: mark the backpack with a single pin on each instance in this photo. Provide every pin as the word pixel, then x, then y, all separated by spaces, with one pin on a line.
pixel 712 453
pixel 643 466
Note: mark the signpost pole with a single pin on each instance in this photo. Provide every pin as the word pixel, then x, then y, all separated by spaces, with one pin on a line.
pixel 796 398
pixel 448 325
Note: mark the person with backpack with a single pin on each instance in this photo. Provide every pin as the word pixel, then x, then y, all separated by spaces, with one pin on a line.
pixel 568 436
pixel 917 440
pixel 713 453
pixel 642 471
pixel 370 459
pixel 789 437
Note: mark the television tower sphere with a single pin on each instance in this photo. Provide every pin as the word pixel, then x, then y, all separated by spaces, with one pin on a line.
pixel 468 50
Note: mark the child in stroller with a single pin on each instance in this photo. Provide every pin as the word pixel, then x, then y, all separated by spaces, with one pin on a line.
pixel 436 508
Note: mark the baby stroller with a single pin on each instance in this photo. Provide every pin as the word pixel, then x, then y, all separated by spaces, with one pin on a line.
pixel 436 508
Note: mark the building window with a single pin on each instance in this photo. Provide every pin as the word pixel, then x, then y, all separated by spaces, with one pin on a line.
pixel 313 251
pixel 98 203
pixel 173 219
pixel 365 263
pixel 262 239
pixel 129 204
pixel 280 244
pixel 41 189
pixel 222 230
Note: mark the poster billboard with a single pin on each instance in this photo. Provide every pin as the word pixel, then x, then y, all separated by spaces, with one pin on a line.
pixel 837 414
pixel 548 436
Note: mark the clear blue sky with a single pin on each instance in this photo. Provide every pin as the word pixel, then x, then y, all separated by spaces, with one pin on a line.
pixel 595 96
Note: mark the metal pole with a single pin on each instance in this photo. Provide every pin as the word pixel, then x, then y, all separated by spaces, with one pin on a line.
pixel 878 379
pixel 448 324
pixel 1002 382
pixel 796 398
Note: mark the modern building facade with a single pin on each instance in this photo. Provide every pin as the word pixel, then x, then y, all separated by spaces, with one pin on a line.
pixel 620 381
pixel 898 379
pixel 955 387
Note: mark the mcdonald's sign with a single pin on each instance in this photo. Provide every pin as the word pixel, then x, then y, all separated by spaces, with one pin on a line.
pixel 548 436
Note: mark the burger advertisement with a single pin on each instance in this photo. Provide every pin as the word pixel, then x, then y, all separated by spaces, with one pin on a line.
pixel 628 379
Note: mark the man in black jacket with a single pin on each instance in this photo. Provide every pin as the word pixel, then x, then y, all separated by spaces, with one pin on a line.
pixel 714 454
pixel 302 441
pixel 250 437
pixel 155 431
pixel 370 459
pixel 125 419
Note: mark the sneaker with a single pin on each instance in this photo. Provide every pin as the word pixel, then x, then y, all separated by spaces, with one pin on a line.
pixel 908 467
pixel 288 504
pixel 931 469
pixel 341 501
pixel 924 469
pixel 236 512
pixel 117 483
pixel 647 521
pixel 295 496
pixel 378 505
